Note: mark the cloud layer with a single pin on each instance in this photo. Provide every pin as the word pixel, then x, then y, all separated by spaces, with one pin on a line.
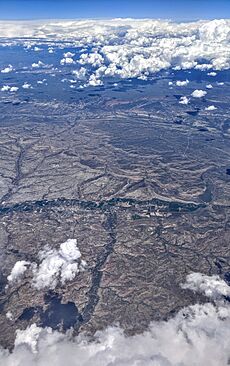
pixel 129 48
pixel 197 335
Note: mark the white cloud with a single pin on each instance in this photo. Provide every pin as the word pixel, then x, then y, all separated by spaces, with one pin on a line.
pixel 182 83
pixel 18 271
pixel 80 74
pixel 67 61
pixel 26 86
pixel 9 315
pixel 29 337
pixel 184 100
pixel 210 286
pixel 64 264
pixel 37 65
pixel 198 93
pixel 209 86
pixel 7 69
pixel 68 54
pixel 37 49
pixel 94 81
pixel 210 108
pixel 13 89
pixel 203 67
pixel 133 48
pixel 5 88
pixel 212 73
pixel 94 59
pixel 41 81
pixel 220 83
pixel 197 335
pixel 55 265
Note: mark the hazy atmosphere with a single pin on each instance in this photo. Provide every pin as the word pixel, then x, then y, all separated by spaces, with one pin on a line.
pixel 114 183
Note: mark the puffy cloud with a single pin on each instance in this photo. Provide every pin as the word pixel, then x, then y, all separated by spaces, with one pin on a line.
pixel 54 264
pixel 129 48
pixel 210 108
pixel 68 54
pixel 67 58
pixel 9 315
pixel 209 86
pixel 41 81
pixel 18 271
pixel 63 263
pixel 94 81
pixel 210 286
pixel 13 89
pixel 182 83
pixel 198 93
pixel 212 73
pixel 28 336
pixel 67 61
pixel 94 59
pixel 37 65
pixel 37 49
pixel 26 86
pixel 197 335
pixel 203 67
pixel 7 69
pixel 5 88
pixel 184 100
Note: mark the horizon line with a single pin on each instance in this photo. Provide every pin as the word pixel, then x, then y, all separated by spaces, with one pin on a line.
pixel 114 18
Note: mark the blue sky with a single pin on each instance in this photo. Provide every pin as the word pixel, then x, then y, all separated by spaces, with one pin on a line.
pixel 173 9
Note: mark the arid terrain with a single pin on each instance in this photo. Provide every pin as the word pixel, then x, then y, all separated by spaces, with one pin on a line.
pixel 142 183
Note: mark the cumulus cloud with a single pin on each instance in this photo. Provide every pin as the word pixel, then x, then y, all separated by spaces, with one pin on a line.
pixel 132 48
pixel 210 108
pixel 61 264
pixel 209 86
pixel 197 335
pixel 41 81
pixel 67 61
pixel 184 100
pixel 26 86
pixel 18 271
pixel 80 74
pixel 37 65
pixel 55 265
pixel 182 83
pixel 68 54
pixel 67 58
pixel 212 287
pixel 9 315
pixel 5 88
pixel 198 93
pixel 94 81
pixel 212 73
pixel 13 89
pixel 93 59
pixel 7 69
